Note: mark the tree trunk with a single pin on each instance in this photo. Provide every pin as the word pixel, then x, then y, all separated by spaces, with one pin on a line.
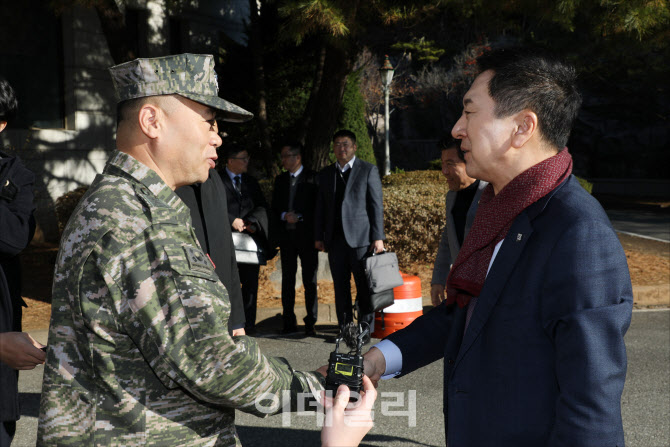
pixel 113 23
pixel 256 48
pixel 337 66
pixel 314 93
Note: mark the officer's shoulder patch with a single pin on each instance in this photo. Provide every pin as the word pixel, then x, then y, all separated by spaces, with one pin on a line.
pixel 197 261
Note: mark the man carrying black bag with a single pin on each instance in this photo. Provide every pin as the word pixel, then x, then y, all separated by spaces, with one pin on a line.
pixel 349 222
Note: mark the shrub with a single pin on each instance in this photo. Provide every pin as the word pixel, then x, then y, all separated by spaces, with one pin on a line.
pixel 414 214
pixel 435 165
pixel 66 204
pixel 588 186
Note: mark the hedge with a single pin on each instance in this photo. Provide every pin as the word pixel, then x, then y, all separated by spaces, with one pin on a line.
pixel 414 214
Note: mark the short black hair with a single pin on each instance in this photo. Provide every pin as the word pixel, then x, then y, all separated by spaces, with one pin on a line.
pixel 449 142
pixel 532 78
pixel 231 150
pixel 8 103
pixel 345 133
pixel 295 148
pixel 125 107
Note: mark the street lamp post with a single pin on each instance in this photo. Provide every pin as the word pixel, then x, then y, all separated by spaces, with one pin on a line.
pixel 386 74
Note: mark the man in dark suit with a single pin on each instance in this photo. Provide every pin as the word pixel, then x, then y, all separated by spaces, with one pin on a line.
pixel 539 297
pixel 349 221
pixel 293 203
pixel 209 207
pixel 18 350
pixel 460 205
pixel 247 213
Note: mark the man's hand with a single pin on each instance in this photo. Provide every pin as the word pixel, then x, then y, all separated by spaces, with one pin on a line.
pixel 374 365
pixel 238 225
pixel 437 294
pixel 319 246
pixel 377 246
pixel 291 217
pixel 237 332
pixel 20 351
pixel 323 370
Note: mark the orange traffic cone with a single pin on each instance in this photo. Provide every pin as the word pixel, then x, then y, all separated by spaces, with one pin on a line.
pixel 407 307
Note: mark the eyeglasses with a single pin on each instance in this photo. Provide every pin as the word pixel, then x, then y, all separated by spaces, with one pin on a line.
pixel 345 145
pixel 288 156
pixel 245 159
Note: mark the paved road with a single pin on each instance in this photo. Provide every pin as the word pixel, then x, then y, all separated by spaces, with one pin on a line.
pixel 654 225
pixel 645 402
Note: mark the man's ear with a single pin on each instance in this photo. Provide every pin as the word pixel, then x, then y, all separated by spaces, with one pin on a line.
pixel 149 119
pixel 526 126
pixel 3 124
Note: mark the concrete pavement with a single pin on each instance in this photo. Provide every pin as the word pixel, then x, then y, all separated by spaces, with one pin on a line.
pixel 406 419
pixel 641 223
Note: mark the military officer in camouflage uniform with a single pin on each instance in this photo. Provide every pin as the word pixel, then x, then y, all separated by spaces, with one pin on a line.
pixel 139 351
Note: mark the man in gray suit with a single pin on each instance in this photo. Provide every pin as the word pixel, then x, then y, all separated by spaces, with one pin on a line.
pixel 461 206
pixel 349 221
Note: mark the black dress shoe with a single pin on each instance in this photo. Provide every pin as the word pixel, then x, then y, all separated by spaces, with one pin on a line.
pixel 309 331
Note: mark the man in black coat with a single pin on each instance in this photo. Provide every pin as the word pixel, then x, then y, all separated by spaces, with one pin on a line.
pixel 209 207
pixel 293 204
pixel 247 213
pixel 18 350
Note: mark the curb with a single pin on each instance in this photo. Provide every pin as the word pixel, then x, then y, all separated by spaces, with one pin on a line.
pixel 651 296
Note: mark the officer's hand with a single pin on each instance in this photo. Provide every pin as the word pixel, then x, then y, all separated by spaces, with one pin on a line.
pixel 319 245
pixel 20 351
pixel 239 331
pixel 437 294
pixel 374 365
pixel 238 225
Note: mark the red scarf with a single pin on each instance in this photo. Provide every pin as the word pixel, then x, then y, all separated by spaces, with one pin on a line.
pixel 493 220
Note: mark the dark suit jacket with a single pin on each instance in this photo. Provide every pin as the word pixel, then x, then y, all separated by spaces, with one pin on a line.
pixel 362 209
pixel 17 226
pixel 215 237
pixel 543 360
pixel 304 203
pixel 449 246
pixel 249 206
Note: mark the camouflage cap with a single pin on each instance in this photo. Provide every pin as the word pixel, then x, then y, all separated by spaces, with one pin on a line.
pixel 189 75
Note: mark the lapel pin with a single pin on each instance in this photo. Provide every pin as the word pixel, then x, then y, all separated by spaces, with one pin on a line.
pixel 519 236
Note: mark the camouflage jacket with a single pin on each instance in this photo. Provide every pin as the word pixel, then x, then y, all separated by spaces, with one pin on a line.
pixel 139 352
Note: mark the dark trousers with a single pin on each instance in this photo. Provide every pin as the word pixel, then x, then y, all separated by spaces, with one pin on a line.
pixel 293 246
pixel 345 260
pixel 7 431
pixel 249 281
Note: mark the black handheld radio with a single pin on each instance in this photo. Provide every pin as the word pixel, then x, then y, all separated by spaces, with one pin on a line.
pixel 347 368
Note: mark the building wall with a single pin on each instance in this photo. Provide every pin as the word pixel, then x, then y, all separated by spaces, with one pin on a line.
pixel 70 156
